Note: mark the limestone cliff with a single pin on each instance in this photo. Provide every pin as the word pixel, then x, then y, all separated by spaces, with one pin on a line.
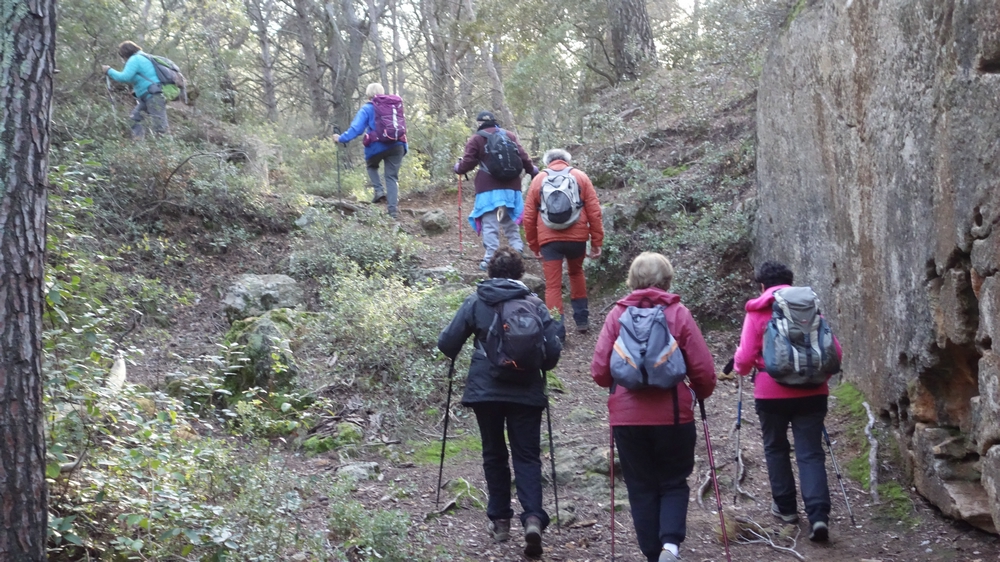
pixel 879 131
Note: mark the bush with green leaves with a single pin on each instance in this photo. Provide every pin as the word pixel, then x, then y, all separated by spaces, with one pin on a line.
pixel 368 238
pixel 384 332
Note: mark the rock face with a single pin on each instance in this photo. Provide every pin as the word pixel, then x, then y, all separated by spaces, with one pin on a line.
pixel 251 295
pixel 877 142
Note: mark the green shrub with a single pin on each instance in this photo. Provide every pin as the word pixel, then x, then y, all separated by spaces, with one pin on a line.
pixel 378 535
pixel 368 238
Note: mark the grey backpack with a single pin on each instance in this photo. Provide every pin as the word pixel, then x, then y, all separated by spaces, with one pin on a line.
pixel 799 349
pixel 561 203
pixel 645 353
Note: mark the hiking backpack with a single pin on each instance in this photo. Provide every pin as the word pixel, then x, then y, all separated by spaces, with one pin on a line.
pixel 646 353
pixel 561 202
pixel 171 80
pixel 390 123
pixel 515 341
pixel 503 159
pixel 799 348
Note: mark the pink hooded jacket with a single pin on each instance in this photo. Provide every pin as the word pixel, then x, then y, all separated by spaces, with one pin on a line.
pixel 749 353
pixel 653 406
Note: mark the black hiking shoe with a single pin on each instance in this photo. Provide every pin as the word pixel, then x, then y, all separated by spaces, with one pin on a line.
pixel 379 198
pixel 533 537
pixel 820 532
pixel 500 529
pixel 786 517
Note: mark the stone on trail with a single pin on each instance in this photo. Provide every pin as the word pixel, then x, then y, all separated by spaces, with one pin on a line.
pixel 359 471
pixel 535 283
pixel 251 295
pixel 435 221
pixel 266 342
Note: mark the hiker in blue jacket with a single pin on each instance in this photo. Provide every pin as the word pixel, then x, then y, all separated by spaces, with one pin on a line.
pixel 390 152
pixel 141 74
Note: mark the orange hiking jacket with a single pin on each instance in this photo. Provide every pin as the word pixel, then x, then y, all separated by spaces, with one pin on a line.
pixel 588 226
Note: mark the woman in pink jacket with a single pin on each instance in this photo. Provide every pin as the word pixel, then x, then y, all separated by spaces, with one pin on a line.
pixel 778 407
pixel 653 428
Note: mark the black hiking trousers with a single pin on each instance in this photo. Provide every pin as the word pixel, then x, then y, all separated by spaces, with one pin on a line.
pixel 656 462
pixel 524 430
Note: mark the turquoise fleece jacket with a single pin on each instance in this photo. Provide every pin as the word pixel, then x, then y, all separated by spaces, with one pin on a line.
pixel 139 72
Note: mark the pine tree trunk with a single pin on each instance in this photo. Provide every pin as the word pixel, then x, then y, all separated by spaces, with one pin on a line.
pixel 27 56
pixel 631 38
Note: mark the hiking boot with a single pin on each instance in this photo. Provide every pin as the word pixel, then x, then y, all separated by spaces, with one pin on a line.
pixel 533 537
pixel 483 265
pixel 667 556
pixel 819 532
pixel 379 197
pixel 787 518
pixel 582 327
pixel 500 529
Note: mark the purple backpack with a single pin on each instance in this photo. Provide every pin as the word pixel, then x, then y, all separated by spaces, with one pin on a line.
pixel 390 124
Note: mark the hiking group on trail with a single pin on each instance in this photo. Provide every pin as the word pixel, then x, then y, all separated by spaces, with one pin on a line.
pixel 654 360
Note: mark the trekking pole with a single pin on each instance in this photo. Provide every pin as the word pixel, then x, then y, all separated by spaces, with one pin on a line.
pixel 739 424
pixel 612 432
pixel 340 193
pixel 114 106
pixel 552 459
pixel 461 248
pixel 840 479
pixel 715 480
pixel 444 437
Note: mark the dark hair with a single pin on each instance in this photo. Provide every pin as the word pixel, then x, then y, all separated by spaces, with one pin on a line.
pixel 506 263
pixel 127 49
pixel 771 273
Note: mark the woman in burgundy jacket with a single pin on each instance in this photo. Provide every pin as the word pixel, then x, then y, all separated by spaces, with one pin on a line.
pixel 653 428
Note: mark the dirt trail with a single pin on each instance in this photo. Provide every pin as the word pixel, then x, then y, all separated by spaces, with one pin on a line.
pixel 462 534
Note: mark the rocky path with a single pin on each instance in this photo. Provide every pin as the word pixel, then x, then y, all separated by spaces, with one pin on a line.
pixel 580 428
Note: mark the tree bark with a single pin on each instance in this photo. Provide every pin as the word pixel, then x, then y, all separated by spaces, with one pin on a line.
pixel 260 14
pixel 399 73
pixel 310 59
pixel 27 62
pixel 373 17
pixel 631 38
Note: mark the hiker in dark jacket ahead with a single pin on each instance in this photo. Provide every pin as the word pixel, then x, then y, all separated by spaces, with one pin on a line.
pixel 389 153
pixel 778 407
pixel 498 403
pixel 499 203
pixel 141 74
pixel 654 428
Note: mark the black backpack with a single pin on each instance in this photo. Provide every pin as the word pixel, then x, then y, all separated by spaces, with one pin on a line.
pixel 515 341
pixel 503 160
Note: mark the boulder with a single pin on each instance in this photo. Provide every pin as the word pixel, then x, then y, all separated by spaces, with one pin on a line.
pixel 435 221
pixel 251 295
pixel 991 481
pixel 309 216
pixel 535 283
pixel 900 242
pixel 359 471
pixel 266 343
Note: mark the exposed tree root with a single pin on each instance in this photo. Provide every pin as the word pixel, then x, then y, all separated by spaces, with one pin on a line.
pixel 872 454
pixel 749 531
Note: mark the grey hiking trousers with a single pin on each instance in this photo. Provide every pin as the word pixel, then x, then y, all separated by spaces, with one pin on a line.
pixel 156 106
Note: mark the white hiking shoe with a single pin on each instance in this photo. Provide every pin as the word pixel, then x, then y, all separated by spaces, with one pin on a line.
pixel 787 518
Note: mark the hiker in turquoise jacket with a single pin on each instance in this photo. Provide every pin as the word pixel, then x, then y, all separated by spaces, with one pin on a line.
pixel 141 74
pixel 377 152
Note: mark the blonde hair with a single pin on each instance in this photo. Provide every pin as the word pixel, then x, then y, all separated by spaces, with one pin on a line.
pixel 650 269
pixel 374 89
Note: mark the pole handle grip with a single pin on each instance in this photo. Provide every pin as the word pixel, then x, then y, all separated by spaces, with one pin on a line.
pixel 701 406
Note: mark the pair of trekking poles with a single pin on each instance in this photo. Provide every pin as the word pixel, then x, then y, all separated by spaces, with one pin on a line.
pixel 739 423
pixel 444 441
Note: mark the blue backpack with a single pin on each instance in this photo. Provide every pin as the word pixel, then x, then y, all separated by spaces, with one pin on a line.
pixel 799 350
pixel 645 353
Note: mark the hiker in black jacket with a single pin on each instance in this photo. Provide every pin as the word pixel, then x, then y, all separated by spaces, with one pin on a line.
pixel 496 402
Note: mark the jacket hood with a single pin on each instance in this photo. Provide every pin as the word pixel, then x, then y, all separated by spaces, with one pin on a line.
pixel 765 300
pixel 494 291
pixel 651 295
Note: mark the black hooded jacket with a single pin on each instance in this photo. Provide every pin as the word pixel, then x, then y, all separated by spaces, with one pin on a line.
pixel 474 318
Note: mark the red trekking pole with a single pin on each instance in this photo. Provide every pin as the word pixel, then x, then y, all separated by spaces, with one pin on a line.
pixel 715 481
pixel 461 248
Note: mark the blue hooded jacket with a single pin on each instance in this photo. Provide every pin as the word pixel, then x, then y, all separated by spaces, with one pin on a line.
pixel 363 122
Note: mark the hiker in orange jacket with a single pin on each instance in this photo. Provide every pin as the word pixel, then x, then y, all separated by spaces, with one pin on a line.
pixel 554 242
